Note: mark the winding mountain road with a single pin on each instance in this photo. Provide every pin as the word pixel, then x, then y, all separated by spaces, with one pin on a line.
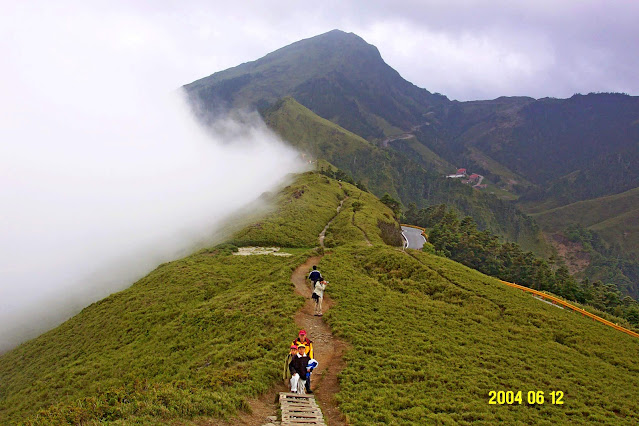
pixel 413 237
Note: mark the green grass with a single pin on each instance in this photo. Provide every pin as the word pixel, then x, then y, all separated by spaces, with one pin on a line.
pixel 508 176
pixel 323 139
pixel 431 338
pixel 425 156
pixel 301 211
pixel 388 171
pixel 195 337
pixel 615 218
pixel 622 229
pixel 358 220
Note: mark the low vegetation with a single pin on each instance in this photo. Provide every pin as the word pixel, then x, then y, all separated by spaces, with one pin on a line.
pixel 606 264
pixel 431 338
pixel 301 211
pixel 461 241
pixel 363 220
pixel 191 342
pixel 196 337
pixel 386 171
pixel 615 218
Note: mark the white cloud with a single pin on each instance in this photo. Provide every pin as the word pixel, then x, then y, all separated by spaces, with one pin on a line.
pixel 104 172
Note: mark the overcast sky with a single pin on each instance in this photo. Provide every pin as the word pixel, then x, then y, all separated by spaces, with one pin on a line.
pixel 461 48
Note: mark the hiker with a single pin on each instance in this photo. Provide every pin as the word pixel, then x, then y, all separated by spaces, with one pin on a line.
pixel 308 345
pixel 298 368
pixel 286 375
pixel 318 296
pixel 314 276
pixel 303 340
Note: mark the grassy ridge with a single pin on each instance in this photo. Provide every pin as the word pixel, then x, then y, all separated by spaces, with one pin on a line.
pixel 359 220
pixel 422 154
pixel 507 176
pixel 388 171
pixel 431 338
pixel 324 139
pixel 196 337
pixel 614 217
pixel 302 209
pixel 622 229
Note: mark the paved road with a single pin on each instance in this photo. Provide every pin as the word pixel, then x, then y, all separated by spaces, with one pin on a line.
pixel 414 237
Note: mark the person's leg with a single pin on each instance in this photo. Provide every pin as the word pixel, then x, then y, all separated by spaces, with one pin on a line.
pixel 294 380
pixel 301 386
pixel 308 384
pixel 319 305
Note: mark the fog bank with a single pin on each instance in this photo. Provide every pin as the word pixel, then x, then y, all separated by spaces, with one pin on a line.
pixel 104 172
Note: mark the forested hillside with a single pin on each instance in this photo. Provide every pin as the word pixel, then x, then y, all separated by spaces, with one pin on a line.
pixel 460 240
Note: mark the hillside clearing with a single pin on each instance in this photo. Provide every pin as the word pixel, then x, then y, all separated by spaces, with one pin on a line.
pixel 256 251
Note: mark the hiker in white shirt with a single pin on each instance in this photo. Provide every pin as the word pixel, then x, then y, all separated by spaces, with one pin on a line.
pixel 318 295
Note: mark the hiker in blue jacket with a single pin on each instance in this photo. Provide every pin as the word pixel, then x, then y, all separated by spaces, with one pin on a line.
pixel 314 276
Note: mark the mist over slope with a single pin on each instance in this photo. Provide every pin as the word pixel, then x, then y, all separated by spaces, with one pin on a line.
pixel 99 170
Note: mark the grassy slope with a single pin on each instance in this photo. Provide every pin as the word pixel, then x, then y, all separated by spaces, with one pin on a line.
pixel 495 167
pixel 387 171
pixel 289 223
pixel 324 139
pixel 622 229
pixel 611 216
pixel 194 338
pixel 355 225
pixel 431 338
pixel 422 154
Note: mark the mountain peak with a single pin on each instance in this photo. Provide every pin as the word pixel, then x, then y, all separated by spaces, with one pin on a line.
pixel 338 75
pixel 333 48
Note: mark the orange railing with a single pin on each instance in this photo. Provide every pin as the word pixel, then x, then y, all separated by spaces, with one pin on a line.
pixel 554 299
pixel 557 300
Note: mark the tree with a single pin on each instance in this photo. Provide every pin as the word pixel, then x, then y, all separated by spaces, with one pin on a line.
pixel 392 204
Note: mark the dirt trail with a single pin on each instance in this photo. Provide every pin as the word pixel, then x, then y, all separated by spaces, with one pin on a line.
pixel 322 234
pixel 328 351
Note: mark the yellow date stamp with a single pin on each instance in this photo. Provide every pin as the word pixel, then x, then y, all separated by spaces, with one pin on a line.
pixel 530 397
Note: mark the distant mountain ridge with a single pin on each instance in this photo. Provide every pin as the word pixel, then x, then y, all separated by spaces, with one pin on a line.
pixel 337 75
pixel 388 171
pixel 342 78
pixel 545 153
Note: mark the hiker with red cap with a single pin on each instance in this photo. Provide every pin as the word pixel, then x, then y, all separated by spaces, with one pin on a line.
pixel 303 340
